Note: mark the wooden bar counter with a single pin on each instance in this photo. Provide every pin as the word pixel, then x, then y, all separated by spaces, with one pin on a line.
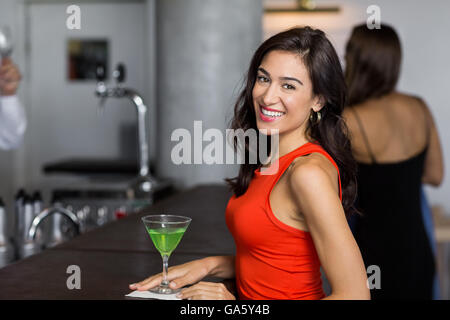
pixel 121 252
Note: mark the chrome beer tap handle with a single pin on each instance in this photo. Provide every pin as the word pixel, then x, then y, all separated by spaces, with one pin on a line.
pixel 144 184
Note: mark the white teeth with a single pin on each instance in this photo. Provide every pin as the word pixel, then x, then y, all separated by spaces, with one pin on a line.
pixel 271 113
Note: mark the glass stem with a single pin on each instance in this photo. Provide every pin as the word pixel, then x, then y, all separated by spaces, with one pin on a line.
pixel 165 281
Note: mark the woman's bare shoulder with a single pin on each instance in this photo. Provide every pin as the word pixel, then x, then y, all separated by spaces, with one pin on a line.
pixel 313 185
pixel 313 167
pixel 409 100
pixel 412 108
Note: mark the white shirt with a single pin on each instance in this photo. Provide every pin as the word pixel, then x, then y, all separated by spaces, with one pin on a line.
pixel 12 122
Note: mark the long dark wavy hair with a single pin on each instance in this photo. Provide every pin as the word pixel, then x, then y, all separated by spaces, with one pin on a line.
pixel 327 79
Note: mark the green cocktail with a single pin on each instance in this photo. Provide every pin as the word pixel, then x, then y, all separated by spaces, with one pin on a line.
pixel 166 232
pixel 166 239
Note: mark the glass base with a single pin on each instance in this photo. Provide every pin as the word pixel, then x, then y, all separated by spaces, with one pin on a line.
pixel 164 290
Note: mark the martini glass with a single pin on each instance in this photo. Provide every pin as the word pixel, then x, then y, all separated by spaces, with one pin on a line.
pixel 166 232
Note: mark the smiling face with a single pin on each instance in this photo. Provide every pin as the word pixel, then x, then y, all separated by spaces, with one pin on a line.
pixel 283 94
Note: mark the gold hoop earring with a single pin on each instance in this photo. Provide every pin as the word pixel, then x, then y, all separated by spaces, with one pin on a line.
pixel 318 117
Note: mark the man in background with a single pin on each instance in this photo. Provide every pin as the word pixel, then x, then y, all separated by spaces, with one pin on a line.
pixel 12 114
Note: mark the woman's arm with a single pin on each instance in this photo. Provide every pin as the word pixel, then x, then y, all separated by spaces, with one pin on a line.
pixel 221 266
pixel 433 171
pixel 313 186
pixel 217 266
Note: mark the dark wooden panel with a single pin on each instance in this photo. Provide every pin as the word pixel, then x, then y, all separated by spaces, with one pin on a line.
pixel 207 233
pixel 104 275
pixel 120 253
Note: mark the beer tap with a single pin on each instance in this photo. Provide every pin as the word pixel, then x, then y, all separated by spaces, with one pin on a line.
pixel 144 184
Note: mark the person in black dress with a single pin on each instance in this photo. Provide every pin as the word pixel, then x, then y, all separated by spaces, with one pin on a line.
pixel 396 144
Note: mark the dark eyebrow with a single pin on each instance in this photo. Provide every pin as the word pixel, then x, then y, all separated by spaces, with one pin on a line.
pixel 282 78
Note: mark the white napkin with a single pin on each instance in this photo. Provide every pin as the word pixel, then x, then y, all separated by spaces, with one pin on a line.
pixel 151 295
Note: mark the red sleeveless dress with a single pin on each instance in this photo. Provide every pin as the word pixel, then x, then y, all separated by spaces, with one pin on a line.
pixel 273 260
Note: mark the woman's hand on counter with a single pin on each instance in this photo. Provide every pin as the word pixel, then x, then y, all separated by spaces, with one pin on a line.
pixel 179 276
pixel 206 291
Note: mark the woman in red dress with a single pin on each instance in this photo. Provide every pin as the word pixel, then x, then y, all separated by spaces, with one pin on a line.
pixel 288 224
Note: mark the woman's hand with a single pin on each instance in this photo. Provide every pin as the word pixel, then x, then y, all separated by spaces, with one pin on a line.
pixel 179 276
pixel 206 291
